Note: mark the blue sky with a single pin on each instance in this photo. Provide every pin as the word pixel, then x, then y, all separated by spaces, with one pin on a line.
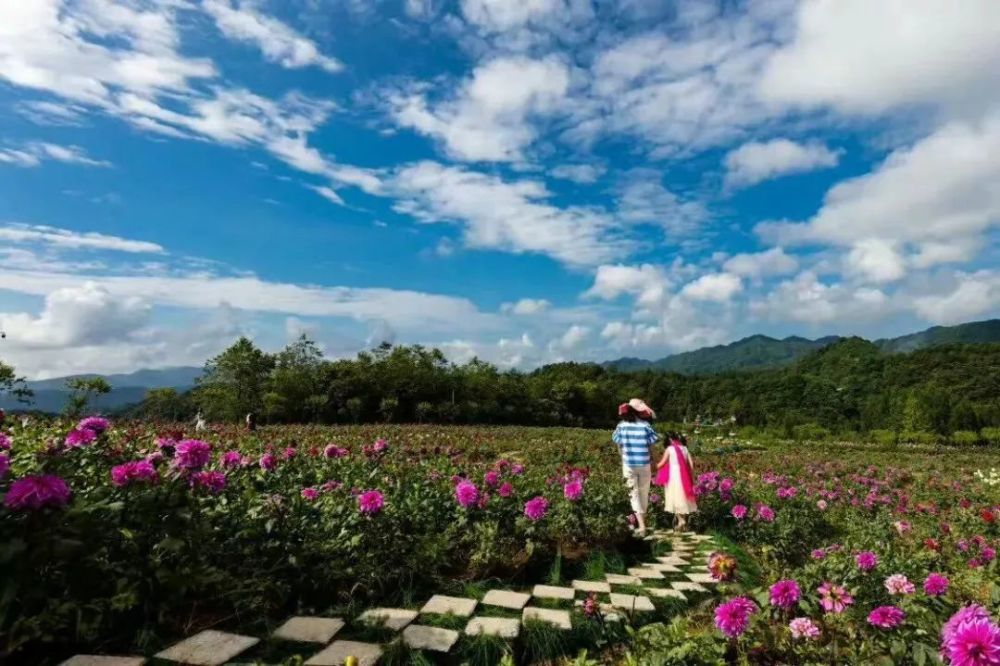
pixel 521 180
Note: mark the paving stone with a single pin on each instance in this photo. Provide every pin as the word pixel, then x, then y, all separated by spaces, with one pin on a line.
pixel 685 586
pixel 309 629
pixel 209 648
pixel 618 579
pixel 597 586
pixel 337 653
pixel 504 627
pixel 558 618
pixel 664 568
pixel 645 574
pixel 673 559
pixel 102 660
pixel 665 592
pixel 702 578
pixel 631 602
pixel 390 618
pixel 420 637
pixel 444 605
pixel 553 592
pixel 506 599
pixel 700 537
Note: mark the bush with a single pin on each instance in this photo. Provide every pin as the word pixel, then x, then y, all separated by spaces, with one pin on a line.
pixel 965 438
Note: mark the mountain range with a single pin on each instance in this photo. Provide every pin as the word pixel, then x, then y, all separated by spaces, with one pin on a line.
pixel 752 353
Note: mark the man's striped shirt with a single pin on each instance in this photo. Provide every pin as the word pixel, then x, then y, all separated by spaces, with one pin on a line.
pixel 634 439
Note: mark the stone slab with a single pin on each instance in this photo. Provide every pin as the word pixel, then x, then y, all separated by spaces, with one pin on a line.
pixel 390 618
pixel 618 579
pixel 444 605
pixel 645 574
pixel 598 586
pixel 553 592
pixel 209 648
pixel 673 560
pixel 337 652
pixel 703 578
pixel 666 592
pixel 664 568
pixel 309 629
pixel 685 586
pixel 506 599
pixel 631 603
pixel 700 537
pixel 504 627
pixel 102 660
pixel 437 639
pixel 557 618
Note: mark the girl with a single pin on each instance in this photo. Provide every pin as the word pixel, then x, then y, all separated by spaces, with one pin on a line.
pixel 634 436
pixel 675 475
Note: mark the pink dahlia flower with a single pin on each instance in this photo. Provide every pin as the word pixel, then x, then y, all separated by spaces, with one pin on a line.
pixel 536 508
pixel 37 492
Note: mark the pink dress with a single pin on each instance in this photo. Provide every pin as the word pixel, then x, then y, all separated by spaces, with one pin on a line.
pixel 677 498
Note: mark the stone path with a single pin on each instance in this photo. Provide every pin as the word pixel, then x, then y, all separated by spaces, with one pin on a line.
pixel 671 577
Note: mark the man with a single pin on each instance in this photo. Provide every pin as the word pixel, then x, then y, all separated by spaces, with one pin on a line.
pixel 634 436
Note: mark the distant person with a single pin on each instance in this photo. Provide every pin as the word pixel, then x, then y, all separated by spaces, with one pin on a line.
pixel 251 421
pixel 676 474
pixel 199 422
pixel 634 436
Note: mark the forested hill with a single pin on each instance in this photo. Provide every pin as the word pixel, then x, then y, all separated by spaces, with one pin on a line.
pixel 761 351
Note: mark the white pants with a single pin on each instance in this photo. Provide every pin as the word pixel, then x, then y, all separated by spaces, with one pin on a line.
pixel 637 479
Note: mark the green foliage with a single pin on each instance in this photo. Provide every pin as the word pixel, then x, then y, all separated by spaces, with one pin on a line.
pixel 234 382
pixel 82 391
pixel 11 383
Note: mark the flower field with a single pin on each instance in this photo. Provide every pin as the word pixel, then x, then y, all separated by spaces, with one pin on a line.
pixel 122 537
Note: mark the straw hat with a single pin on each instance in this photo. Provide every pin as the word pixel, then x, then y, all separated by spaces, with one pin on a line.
pixel 641 407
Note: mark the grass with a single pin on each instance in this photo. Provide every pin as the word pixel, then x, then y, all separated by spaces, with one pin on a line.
pixel 398 653
pixel 483 650
pixel 449 621
pixel 541 641
pixel 555 570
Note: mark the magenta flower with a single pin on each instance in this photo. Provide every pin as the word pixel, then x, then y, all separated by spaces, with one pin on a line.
pixel 517 469
pixel 785 593
pixel 965 614
pixel 334 451
pixel 466 493
pixel 309 494
pixel 5 442
pixel 739 512
pixel 491 478
pixel 733 616
pixel 834 598
pixel 987 554
pixel 936 585
pixel 886 617
pixel 37 492
pixel 137 471
pixel 866 560
pixel 803 627
pixel 765 513
pixel 4 465
pixel 232 459
pixel 973 643
pixel 192 454
pixel 79 438
pixel 288 453
pixel 268 462
pixel 899 584
pixel 818 554
pixel 370 502
pixel 212 482
pixel 536 508
pixel 505 489
pixel 573 490
pixel 96 424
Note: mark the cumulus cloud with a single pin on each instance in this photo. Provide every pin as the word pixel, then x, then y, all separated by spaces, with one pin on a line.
pixel 526 306
pixel 579 173
pixel 761 264
pixel 572 339
pixel 754 162
pixel 718 287
pixel 644 200
pixel 645 281
pixel 278 42
pixel 969 295
pixel 805 298
pixel 491 118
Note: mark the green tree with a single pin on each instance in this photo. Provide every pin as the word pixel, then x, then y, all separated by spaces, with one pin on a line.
pixel 165 404
pixel 296 392
pixel 14 385
pixel 234 382
pixel 82 391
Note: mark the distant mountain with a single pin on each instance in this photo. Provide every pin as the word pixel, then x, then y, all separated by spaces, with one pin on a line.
pixel 126 389
pixel 761 351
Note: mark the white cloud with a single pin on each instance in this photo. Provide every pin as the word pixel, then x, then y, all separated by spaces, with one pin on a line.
pixel 327 193
pixel 644 200
pixel 491 117
pixel 754 162
pixel 761 264
pixel 33 153
pixel 27 233
pixel 808 300
pixel 647 282
pixel 572 339
pixel 877 260
pixel 503 15
pixel 579 173
pixel 869 57
pixel 971 295
pixel 526 306
pixel 718 287
pixel 74 316
pixel 278 42
pixel 512 216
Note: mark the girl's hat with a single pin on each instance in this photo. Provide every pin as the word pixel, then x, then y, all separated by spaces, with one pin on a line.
pixel 623 409
pixel 641 407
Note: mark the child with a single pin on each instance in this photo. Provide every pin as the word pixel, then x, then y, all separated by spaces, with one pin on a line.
pixel 675 475
pixel 634 437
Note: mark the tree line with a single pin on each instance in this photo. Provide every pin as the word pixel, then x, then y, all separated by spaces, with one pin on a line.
pixel 848 387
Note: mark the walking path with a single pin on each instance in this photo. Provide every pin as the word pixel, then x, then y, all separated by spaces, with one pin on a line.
pixel 681 573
